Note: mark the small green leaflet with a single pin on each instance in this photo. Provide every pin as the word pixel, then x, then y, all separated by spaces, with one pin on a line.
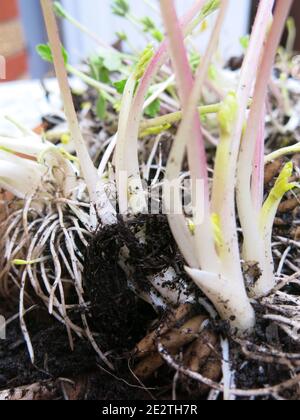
pixel 104 63
pixel 111 61
pixel 149 26
pixel 98 71
pixel 121 36
pixel 157 35
pixel 153 109
pixel 244 41
pixel 120 86
pixel 45 53
pixel 120 8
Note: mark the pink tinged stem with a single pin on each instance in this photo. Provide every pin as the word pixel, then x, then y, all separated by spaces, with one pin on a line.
pixel 81 148
pixel 185 84
pixel 257 184
pixel 248 75
pixel 161 57
pixel 98 197
pixel 250 152
pixel 186 128
pixel 250 66
pixel 156 63
pixel 190 134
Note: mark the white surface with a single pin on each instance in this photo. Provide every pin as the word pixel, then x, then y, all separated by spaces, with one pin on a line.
pixel 96 14
pixel 25 101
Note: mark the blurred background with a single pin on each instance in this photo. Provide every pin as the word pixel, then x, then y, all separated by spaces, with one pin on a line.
pixel 22 28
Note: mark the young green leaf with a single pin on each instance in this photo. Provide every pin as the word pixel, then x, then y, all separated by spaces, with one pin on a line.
pixel 150 27
pixel 157 35
pixel 111 61
pixel 104 63
pixel 120 8
pixel 121 36
pixel 153 109
pixel 244 41
pixel 148 24
pixel 45 53
pixel 120 85
pixel 98 71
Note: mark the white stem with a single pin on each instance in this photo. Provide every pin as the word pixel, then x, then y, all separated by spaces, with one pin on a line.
pixel 249 216
pixel 205 247
pixel 94 185
pixel 290 150
pixel 160 89
pixel 132 131
pixel 231 302
pixel 225 199
pixel 124 150
pixel 190 130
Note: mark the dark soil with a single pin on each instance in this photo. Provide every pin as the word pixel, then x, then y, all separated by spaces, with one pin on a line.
pixel 253 373
pixel 120 320
pixel 117 315
pixel 54 359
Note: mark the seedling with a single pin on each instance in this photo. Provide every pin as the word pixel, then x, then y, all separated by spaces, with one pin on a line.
pixel 71 197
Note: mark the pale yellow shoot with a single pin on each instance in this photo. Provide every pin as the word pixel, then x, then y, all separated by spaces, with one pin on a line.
pixel 144 60
pixel 217 229
pixel 24 262
pixel 281 187
pixel 191 226
pixel 154 131
pixel 227 114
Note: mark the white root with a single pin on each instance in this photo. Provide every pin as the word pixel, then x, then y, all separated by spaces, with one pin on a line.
pixel 171 288
pixel 35 392
pixel 228 374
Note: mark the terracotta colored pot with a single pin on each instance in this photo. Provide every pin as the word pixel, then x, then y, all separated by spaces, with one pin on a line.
pixel 12 44
pixel 4 196
pixel 8 10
